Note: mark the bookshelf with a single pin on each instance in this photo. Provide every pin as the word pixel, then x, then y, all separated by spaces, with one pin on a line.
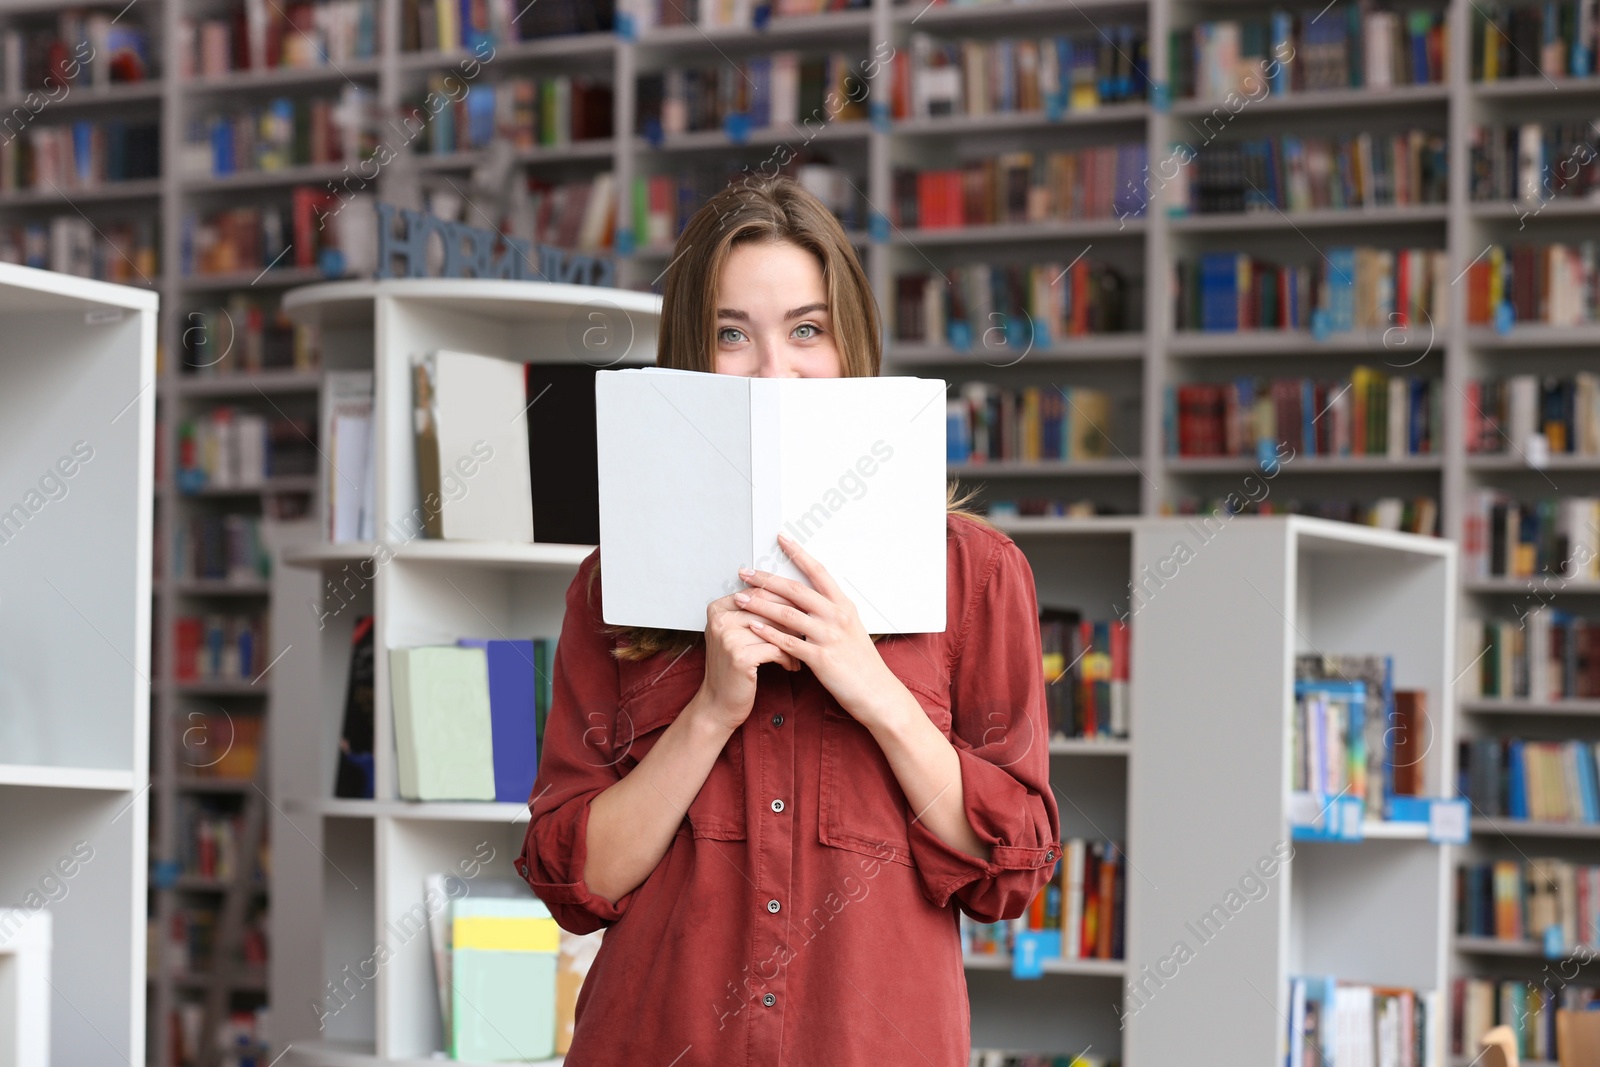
pixel 345 869
pixel 77 403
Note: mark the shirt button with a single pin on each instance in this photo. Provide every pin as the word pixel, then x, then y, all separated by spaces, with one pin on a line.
pixel 769 1000
pixel 773 906
pixel 1050 855
pixel 777 720
pixel 777 805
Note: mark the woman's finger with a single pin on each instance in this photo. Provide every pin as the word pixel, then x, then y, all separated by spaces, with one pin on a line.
pixel 781 613
pixel 809 566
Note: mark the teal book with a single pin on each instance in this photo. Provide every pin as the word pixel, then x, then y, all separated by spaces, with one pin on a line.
pixel 442 727
pixel 503 980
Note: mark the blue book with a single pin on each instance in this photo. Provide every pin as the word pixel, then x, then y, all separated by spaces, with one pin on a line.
pixel 759 69
pixel 1308 415
pixel 221 146
pixel 1219 291
pixel 1587 790
pixel 1517 786
pixel 480 116
pixel 512 723
pixel 1342 288
pixel 1282 42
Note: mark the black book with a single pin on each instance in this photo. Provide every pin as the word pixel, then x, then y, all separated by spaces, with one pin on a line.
pixel 562 452
pixel 354 778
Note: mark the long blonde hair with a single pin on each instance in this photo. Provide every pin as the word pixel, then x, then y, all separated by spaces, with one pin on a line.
pixel 776 209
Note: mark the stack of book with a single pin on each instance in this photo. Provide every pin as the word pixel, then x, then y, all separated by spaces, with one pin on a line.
pixel 1533 162
pixel 1085 674
pixel 1353 1025
pixel 1375 747
pixel 232 448
pixel 191 939
pixel 723 14
pixel 1016 306
pixel 1503 414
pixel 1540 781
pixel 212 839
pixel 1511 900
pixel 217 547
pixel 218 648
pixel 1343 46
pixel 1373 414
pixel 1554 284
pixel 1531 40
pixel 218 744
pixel 1057 73
pixel 664 203
pixel 469 717
pixel 1083 904
pixel 80 155
pixel 1552 539
pixel 264 35
pixel 449 25
pixel 989 423
pixel 1344 289
pixel 1545 655
pixel 100 47
pixel 120 251
pixel 524 112
pixel 1286 172
pixel 273 135
pixel 1418 515
pixel 1100 182
pixel 783 91
pixel 246 335
pixel 579 215
pixel 266 236
pixel 1478 1005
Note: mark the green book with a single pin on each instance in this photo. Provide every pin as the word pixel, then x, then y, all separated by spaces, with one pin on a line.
pixel 502 980
pixel 442 728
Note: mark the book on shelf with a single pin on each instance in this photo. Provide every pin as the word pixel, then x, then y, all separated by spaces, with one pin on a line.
pixel 1534 781
pixel 1554 284
pixel 218 647
pixel 220 744
pixel 1532 40
pixel 1086 674
pixel 1098 182
pixel 246 335
pixel 1345 289
pixel 989 423
pixel 470 414
pixel 1553 539
pixel 1020 307
pixel 348 481
pixel 1373 414
pixel 734 14
pixel 1367 748
pixel 1039 506
pixel 1418 515
pixel 1345 46
pixel 1080 910
pixel 561 422
pixel 354 775
pixel 1291 173
pixel 84 49
pixel 1546 655
pixel 450 25
pixel 276 134
pixel 80 155
pixel 936 78
pixel 1480 1004
pixel 1346 1024
pixel 223 548
pixel 525 113
pixel 469 718
pixel 211 835
pixel 122 252
pixel 1531 163
pixel 664 203
pixel 1526 899
pixel 262 35
pixel 783 90
pixel 504 954
pixel 229 447
pixel 699 473
pixel 1503 416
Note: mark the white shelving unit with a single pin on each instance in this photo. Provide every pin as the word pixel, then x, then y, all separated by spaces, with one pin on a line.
pixel 344 871
pixel 77 376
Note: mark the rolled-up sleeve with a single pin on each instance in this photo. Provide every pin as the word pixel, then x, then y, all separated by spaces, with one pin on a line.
pixel 576 764
pixel 1000 732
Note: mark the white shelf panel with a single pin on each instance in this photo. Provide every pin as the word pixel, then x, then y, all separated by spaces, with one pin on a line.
pixel 1007 232
pixel 350 303
pixel 1080 746
pixel 567 46
pixel 1062 526
pixel 1334 464
pixel 1202 343
pixel 1524 706
pixel 949 16
pixel 1017 468
pixel 268 381
pixel 1559 461
pixel 143 189
pixel 509 555
pixel 1019 121
pixel 1087 968
pixel 1499 825
pixel 427 810
pixel 1327 99
pixel 350 1054
pixel 1270 219
pixel 66 777
pixel 308 174
pixel 1543 583
pixel 248 81
pixel 1090 349
pixel 831 24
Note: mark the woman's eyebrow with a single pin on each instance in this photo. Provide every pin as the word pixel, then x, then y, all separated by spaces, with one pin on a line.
pixel 793 313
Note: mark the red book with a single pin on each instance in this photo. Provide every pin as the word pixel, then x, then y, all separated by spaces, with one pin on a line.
pixel 1107 896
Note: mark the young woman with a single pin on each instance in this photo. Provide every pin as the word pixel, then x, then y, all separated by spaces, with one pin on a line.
pixel 778 819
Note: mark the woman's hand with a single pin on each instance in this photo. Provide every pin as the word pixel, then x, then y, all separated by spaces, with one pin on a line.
pixel 734 649
pixel 819 626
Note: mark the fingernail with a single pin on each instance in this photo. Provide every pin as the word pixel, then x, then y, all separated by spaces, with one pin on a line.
pixel 757 625
pixel 745 572
pixel 741 598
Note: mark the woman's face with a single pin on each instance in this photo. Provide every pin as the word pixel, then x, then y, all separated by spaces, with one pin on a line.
pixel 772 314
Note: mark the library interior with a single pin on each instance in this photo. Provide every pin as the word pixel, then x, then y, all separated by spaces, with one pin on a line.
pixel 1213 680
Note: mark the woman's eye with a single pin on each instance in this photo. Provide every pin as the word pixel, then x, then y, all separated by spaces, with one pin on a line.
pixel 722 335
pixel 815 330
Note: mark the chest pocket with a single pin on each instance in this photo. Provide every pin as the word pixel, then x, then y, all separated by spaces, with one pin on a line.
pixel 653 695
pixel 862 807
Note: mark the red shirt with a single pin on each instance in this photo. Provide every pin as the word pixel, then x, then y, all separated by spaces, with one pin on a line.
pixel 825 932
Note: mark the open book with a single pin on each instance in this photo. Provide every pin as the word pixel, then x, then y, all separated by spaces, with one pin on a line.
pixel 699 472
